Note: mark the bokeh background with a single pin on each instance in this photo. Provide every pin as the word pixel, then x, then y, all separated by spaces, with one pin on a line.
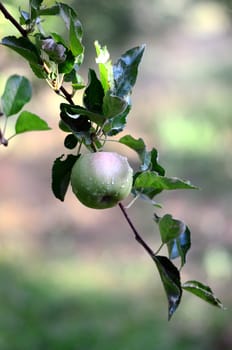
pixel 72 278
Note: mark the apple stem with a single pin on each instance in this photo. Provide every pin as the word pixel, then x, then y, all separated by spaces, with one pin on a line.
pixel 138 238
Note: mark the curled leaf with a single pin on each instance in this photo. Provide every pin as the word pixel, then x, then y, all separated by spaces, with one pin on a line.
pixel 179 246
pixel 170 277
pixel 61 173
pixel 149 159
pixel 202 291
pixel 170 228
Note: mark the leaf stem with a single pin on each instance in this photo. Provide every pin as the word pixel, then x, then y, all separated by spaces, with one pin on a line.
pixel 108 140
pixel 3 141
pixel 11 137
pixel 4 125
pixel 159 249
pixel 138 238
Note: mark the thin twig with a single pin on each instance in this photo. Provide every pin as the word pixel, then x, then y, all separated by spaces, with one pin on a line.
pixel 12 20
pixel 24 33
pixel 138 238
pixel 67 95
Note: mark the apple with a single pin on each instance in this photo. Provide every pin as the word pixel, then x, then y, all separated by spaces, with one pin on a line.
pixel 101 179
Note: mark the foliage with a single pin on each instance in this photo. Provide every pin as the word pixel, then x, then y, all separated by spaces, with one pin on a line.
pixel 16 94
pixel 102 115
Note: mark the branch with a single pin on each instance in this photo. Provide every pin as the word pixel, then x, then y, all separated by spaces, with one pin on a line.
pixel 67 96
pixel 24 33
pixel 12 20
pixel 138 238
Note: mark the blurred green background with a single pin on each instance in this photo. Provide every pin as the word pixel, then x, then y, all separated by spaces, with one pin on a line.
pixel 72 278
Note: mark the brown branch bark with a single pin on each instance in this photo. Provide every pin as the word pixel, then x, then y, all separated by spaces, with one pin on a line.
pixel 24 33
pixel 12 20
pixel 138 238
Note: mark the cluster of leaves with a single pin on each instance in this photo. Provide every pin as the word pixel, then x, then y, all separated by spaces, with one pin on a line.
pixel 50 55
pixel 106 104
pixel 16 94
pixel 103 114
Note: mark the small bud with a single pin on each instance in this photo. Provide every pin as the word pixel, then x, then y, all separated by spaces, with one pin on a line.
pixel 55 51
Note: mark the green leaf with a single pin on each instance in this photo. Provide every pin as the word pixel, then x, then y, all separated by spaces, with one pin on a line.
pixel 105 67
pixel 150 184
pixel 67 14
pixel 49 11
pixel 24 47
pixel 154 165
pixel 125 71
pixel 67 66
pixel 76 79
pixel 149 159
pixel 137 145
pixel 74 112
pixel 170 277
pixel 74 27
pixel 25 17
pixel 94 93
pixel 113 106
pixel 36 4
pixel 58 38
pixel 61 173
pixel 34 8
pixel 70 141
pixel 77 123
pixel 115 125
pixel 179 246
pixel 63 126
pixel 38 70
pixel 75 37
pixel 16 94
pixel 28 121
pixel 170 228
pixel 202 291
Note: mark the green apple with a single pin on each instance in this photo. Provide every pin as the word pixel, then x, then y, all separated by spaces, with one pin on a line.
pixel 100 180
